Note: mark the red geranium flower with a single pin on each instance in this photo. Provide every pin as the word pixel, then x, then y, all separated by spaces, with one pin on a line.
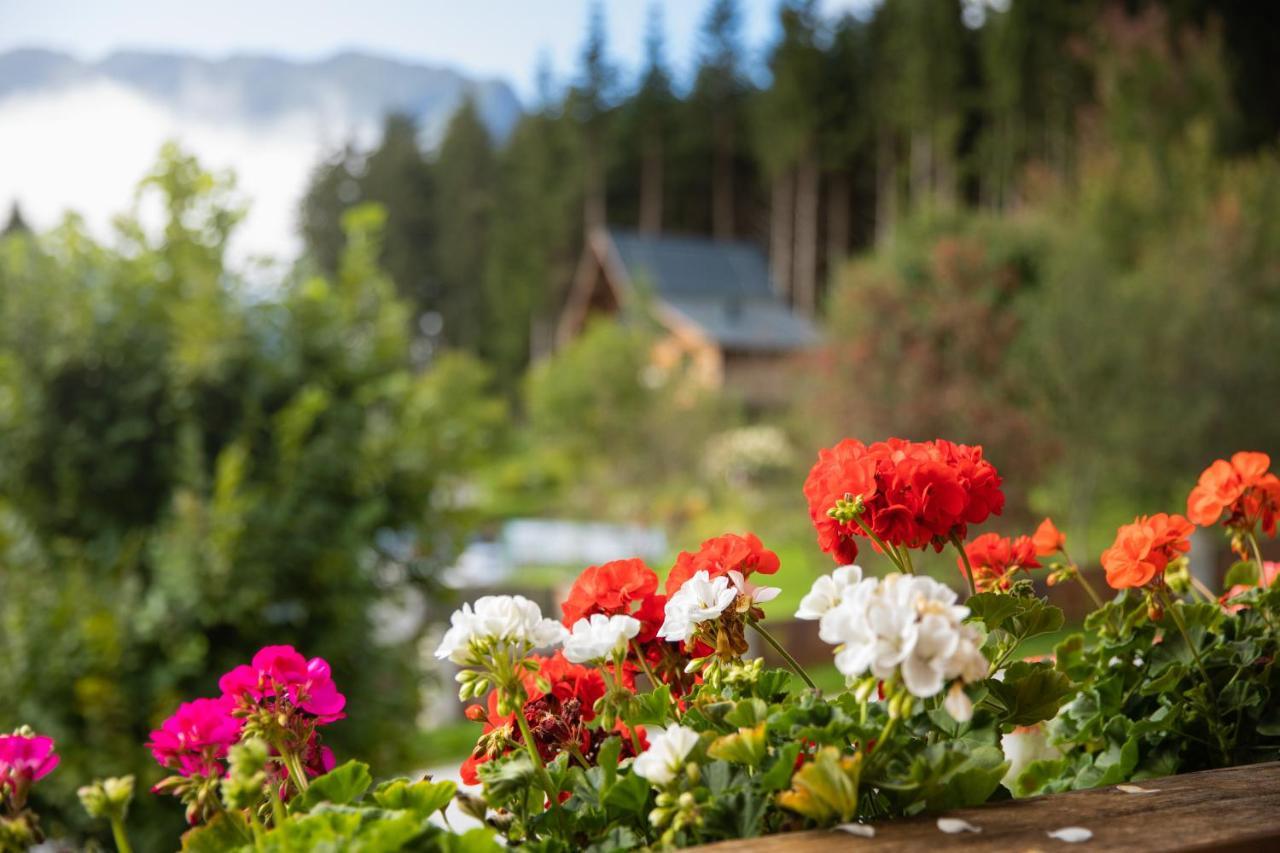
pixel 1144 548
pixel 609 589
pixel 561 700
pixel 721 555
pixel 911 494
pixel 1243 488
pixel 995 558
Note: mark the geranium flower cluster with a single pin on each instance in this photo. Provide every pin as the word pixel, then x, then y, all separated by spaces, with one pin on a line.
pixel 904 629
pixel 1241 492
pixel 1144 548
pixel 561 700
pixel 995 558
pixel 902 493
pixel 25 757
pixel 280 697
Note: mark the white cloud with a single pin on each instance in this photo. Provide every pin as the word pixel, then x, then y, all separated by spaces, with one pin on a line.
pixel 85 149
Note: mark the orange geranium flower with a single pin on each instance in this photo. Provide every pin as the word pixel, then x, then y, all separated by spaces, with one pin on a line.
pixel 720 555
pixel 1242 489
pixel 1144 548
pixel 1048 539
pixel 610 589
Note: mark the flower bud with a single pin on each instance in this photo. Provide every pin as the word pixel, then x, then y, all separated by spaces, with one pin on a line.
pixel 687 800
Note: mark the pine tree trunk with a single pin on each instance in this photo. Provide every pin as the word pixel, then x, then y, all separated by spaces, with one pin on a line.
pixel 838 199
pixel 593 204
pixel 921 167
pixel 781 231
pixel 886 188
pixel 722 180
pixel 651 186
pixel 806 283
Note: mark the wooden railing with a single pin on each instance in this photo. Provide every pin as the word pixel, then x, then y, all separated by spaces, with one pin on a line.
pixel 1236 809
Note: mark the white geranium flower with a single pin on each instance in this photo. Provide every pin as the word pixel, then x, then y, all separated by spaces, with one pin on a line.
pixel 755 594
pixel 827 591
pixel 958 703
pixel 1024 745
pixel 667 750
pixel 502 620
pixel 903 626
pixel 698 600
pixel 599 637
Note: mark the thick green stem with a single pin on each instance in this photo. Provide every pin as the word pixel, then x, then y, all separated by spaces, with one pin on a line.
pixel 122 840
pixel 297 775
pixel 964 558
pixel 777 647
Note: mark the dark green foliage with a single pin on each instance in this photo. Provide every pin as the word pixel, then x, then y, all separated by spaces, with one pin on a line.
pixel 1150 704
pixel 188 473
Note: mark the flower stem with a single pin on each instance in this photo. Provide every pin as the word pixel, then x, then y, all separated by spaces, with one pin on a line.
pixel 1257 558
pixel 777 647
pixel 543 776
pixel 1171 607
pixel 880 543
pixel 122 840
pixel 1088 587
pixel 297 775
pixel 1199 587
pixel 964 558
pixel 644 665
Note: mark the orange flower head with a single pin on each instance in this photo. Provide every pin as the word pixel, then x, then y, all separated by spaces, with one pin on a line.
pixel 721 555
pixel 1242 489
pixel 1143 549
pixel 1048 539
pixel 610 589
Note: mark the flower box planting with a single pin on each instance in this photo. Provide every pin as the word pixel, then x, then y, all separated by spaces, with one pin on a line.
pixel 636 720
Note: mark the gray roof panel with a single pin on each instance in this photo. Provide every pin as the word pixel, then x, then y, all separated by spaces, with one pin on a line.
pixel 723 287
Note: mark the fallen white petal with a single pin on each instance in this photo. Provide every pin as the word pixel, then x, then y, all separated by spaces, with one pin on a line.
pixel 1071 834
pixel 952 825
pixel 1136 789
pixel 865 830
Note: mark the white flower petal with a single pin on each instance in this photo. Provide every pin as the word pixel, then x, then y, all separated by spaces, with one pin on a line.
pixel 1071 834
pixel 1137 789
pixel 954 825
pixel 862 830
pixel 765 593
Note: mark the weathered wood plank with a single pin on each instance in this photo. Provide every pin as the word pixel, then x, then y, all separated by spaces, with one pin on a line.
pixel 1237 809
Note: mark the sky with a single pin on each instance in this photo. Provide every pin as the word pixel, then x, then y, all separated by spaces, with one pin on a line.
pixel 47 167
pixel 501 38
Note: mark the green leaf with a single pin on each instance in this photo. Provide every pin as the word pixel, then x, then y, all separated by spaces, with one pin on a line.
pixel 477 840
pixel 1245 572
pixel 747 713
pixel 341 786
pixel 426 798
pixel 745 746
pixel 630 795
pixel 225 833
pixel 993 608
pixel 618 838
pixel 778 776
pixel 972 782
pixel 1041 777
pixel 653 708
pixel 1030 693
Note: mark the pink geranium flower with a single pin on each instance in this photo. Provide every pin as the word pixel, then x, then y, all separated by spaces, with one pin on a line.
pixel 195 739
pixel 23 760
pixel 281 672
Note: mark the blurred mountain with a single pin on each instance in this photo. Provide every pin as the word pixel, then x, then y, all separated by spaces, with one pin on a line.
pixel 346 93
